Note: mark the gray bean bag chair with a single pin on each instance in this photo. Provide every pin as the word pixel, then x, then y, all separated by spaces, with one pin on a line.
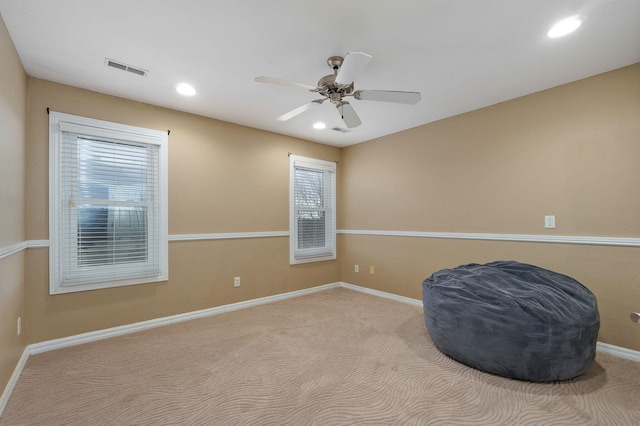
pixel 512 319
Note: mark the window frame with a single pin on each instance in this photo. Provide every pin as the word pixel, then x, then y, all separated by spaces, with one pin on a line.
pixel 328 252
pixel 60 123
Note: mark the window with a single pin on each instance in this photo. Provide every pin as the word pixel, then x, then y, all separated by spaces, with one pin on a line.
pixel 107 204
pixel 312 215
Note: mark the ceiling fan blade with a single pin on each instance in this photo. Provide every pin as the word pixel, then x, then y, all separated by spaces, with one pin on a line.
pixel 281 82
pixel 288 115
pixel 353 63
pixel 388 96
pixel 348 115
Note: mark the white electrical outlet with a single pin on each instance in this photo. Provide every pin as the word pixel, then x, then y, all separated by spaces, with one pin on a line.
pixel 236 281
pixel 19 325
pixel 356 268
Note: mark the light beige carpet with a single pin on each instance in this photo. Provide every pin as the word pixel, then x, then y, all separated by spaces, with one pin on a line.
pixel 332 358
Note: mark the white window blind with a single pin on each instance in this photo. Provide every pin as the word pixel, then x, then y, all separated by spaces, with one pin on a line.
pixel 108 204
pixel 312 216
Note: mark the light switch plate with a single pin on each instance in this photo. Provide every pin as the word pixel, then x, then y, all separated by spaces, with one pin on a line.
pixel 550 221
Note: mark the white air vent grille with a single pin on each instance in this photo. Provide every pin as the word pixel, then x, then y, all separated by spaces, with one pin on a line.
pixel 340 129
pixel 124 67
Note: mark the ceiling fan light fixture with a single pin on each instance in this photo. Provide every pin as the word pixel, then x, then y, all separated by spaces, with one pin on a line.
pixel 565 26
pixel 185 89
pixel 319 125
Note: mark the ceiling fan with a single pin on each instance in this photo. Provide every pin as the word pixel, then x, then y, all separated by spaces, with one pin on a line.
pixel 339 85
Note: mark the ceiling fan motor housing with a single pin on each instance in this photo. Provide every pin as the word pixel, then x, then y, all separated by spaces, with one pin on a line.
pixel 328 88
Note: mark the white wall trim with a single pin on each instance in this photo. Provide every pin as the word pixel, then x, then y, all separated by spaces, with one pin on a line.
pixel 16 248
pixel 618 351
pixel 555 239
pixel 13 380
pixel 378 293
pixel 37 243
pixel 49 345
pixel 13 249
pixel 605 348
pixel 227 235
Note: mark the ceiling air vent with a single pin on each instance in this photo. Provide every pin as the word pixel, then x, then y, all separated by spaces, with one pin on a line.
pixel 340 129
pixel 124 67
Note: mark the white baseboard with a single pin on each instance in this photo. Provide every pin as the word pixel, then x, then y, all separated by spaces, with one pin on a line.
pixel 605 348
pixel 618 351
pixel 390 296
pixel 13 380
pixel 49 345
pixel 92 336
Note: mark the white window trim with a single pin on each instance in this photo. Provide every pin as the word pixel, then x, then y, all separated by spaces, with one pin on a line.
pixel 59 122
pixel 310 255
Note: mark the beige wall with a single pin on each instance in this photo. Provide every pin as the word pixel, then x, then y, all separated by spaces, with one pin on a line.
pixel 13 96
pixel 222 178
pixel 572 151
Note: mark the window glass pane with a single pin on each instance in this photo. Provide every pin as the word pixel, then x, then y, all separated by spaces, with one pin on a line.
pixel 309 188
pixel 311 229
pixel 310 195
pixel 111 171
pixel 112 235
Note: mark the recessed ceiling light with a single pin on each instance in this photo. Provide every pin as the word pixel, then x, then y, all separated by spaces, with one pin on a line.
pixel 185 89
pixel 564 27
pixel 319 125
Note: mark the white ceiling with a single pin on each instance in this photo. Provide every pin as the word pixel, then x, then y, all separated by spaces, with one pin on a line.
pixel 460 54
